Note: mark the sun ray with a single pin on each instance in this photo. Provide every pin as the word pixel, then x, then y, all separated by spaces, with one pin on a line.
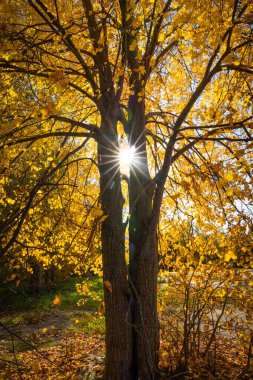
pixel 127 155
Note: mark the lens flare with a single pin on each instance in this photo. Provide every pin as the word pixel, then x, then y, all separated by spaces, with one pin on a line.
pixel 126 157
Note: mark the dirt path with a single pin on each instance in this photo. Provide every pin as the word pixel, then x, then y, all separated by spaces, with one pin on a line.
pixel 48 331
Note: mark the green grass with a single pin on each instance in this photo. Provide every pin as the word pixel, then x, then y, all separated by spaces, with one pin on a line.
pixel 17 306
pixel 89 323
pixel 20 317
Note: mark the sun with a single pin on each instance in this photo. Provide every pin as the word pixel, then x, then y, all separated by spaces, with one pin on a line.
pixel 126 157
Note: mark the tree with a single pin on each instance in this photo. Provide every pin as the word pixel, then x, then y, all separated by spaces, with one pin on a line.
pixel 171 77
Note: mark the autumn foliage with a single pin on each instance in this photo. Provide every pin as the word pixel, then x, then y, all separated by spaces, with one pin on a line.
pixel 172 81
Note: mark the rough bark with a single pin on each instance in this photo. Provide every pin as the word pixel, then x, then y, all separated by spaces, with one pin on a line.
pixel 132 334
pixel 116 291
pixel 143 262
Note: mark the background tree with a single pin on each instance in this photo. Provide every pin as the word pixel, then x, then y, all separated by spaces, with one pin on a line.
pixel 171 77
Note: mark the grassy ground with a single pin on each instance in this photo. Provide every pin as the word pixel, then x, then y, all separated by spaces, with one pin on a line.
pixel 17 307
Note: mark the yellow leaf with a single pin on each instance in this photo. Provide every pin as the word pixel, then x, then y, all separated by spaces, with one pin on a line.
pixel 131 3
pixel 230 255
pixel 108 285
pixel 85 288
pixel 159 307
pixel 41 95
pixel 142 70
pixel 161 37
pixel 103 218
pixel 57 300
pixel 229 59
pixel 12 277
pixel 175 196
pixel 185 185
pixel 230 192
pixel 35 366
pixel 10 201
pixel 228 177
pixel 221 292
pixel 4 376
pixel 96 212
pixel 133 45
pixel 239 153
pixel 44 112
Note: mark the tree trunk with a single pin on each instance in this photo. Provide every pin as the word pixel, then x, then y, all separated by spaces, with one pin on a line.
pixel 49 280
pixel 118 364
pixel 34 281
pixel 132 334
pixel 143 263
